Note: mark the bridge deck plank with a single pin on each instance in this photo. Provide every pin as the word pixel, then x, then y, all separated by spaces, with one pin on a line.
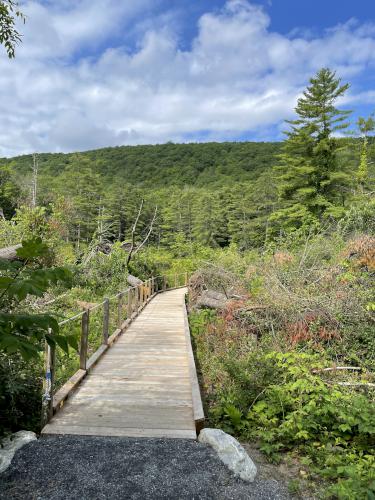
pixel 141 386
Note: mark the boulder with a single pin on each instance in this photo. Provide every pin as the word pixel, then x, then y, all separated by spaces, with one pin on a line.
pixel 10 445
pixel 10 253
pixel 133 280
pixel 230 452
pixel 211 299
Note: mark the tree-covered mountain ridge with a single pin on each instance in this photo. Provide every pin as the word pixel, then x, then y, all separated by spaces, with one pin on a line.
pixel 198 164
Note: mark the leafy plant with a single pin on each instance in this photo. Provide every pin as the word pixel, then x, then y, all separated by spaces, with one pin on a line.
pixel 298 410
pixel 9 36
pixel 21 331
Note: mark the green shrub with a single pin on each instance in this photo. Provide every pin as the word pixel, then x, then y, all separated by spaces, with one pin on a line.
pixel 281 400
pixel 20 394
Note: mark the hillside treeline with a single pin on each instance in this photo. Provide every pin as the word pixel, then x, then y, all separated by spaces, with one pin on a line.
pixel 212 194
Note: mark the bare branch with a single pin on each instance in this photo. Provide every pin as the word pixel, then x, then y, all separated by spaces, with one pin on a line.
pixel 148 233
pixel 334 368
pixel 133 233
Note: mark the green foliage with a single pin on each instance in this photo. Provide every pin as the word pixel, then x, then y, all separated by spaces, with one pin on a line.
pixel 365 127
pixel 19 331
pixel 9 36
pixel 104 273
pixel 296 409
pixel 20 393
pixel 334 427
pixel 9 191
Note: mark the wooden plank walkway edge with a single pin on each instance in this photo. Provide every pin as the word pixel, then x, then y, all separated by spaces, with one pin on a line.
pixel 198 411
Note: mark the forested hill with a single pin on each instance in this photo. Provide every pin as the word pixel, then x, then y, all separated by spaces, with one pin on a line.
pixel 166 164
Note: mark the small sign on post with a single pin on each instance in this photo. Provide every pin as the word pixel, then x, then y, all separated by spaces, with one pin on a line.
pixel 105 321
pixel 119 310
pixel 130 303
pixel 48 385
pixel 84 339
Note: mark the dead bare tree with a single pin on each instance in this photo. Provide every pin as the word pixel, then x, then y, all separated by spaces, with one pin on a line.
pixel 35 181
pixel 133 248
pixel 134 228
pixel 148 232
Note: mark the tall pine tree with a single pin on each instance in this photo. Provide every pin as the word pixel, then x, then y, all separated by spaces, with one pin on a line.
pixel 365 127
pixel 308 177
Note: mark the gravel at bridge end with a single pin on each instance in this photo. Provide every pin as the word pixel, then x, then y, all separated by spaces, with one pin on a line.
pixel 80 468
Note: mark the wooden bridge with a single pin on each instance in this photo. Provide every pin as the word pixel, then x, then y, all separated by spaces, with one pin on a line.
pixel 141 382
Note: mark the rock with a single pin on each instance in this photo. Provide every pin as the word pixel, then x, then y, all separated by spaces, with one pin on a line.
pixel 230 452
pixel 211 299
pixel 133 280
pixel 10 445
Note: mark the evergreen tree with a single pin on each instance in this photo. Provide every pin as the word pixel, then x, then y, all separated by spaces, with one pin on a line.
pixel 308 177
pixel 208 220
pixel 365 126
pixel 82 186
pixel 10 192
pixel 248 222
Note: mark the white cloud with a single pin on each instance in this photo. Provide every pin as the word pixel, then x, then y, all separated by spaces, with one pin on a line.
pixel 65 92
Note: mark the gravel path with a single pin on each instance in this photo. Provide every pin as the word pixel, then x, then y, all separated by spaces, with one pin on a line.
pixel 74 467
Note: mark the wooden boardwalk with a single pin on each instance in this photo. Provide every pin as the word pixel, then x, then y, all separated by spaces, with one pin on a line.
pixel 145 385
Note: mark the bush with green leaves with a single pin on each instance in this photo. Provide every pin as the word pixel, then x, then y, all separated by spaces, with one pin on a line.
pixel 23 334
pixel 282 400
pixel 20 393
pixel 21 331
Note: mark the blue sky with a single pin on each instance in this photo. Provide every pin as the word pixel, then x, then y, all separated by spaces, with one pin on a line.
pixel 96 73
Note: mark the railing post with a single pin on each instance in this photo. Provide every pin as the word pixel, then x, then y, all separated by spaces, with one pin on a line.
pixel 152 286
pixel 186 279
pixel 130 303
pixel 136 298
pixel 49 382
pixel 164 283
pixel 119 310
pixel 84 339
pixel 105 321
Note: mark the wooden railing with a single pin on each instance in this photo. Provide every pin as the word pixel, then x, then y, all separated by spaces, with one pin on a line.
pixel 128 305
